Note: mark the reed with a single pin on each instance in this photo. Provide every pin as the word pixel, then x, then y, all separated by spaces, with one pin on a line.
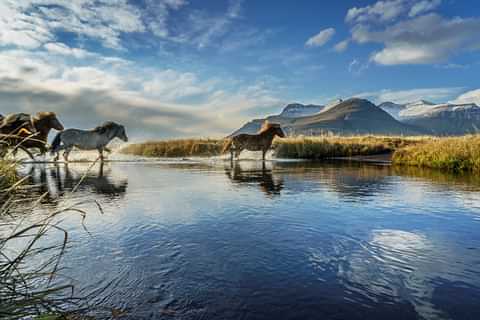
pixel 324 147
pixel 31 282
pixel 176 148
pixel 456 154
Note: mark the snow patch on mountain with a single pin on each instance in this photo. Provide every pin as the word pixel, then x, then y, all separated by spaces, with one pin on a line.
pixel 296 110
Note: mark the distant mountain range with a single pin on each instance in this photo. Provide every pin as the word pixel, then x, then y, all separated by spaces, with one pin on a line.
pixel 360 116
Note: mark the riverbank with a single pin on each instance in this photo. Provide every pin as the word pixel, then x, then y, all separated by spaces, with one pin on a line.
pixel 176 148
pixel 457 154
pixel 445 153
pixel 311 148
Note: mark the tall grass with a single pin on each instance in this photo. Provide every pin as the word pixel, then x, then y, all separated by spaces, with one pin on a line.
pixel 295 147
pixel 455 154
pixel 30 282
pixel 175 148
pixel 324 147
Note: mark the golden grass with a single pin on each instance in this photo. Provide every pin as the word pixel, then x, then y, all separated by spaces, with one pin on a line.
pixel 446 153
pixel 324 147
pixel 455 154
pixel 176 148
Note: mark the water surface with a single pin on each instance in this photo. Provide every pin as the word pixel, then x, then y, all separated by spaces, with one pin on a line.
pixel 284 241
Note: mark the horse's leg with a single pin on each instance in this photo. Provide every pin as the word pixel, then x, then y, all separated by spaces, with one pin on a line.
pixel 66 154
pixel 263 154
pixel 100 151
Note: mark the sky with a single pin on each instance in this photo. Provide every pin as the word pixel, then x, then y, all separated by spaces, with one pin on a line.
pixel 183 68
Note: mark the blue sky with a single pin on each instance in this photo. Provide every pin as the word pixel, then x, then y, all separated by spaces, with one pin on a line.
pixel 172 68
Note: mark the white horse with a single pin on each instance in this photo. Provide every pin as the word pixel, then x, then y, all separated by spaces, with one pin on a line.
pixel 94 139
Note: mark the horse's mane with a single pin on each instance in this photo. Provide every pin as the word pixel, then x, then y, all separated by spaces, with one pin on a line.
pixel 44 115
pixel 104 126
pixel 267 126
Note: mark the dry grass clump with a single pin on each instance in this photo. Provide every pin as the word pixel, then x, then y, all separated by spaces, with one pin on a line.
pixel 455 154
pixel 176 148
pixel 323 147
pixel 8 174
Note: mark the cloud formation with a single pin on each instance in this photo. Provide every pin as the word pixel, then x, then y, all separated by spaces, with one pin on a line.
pixel 410 34
pixel 320 38
pixel 406 96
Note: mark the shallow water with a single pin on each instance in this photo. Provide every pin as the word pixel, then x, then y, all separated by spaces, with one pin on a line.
pixel 287 241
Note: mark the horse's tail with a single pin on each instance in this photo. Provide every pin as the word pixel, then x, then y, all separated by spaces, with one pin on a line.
pixel 227 145
pixel 56 143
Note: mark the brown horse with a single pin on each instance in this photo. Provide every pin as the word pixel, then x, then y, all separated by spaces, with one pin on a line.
pixel 262 141
pixel 31 134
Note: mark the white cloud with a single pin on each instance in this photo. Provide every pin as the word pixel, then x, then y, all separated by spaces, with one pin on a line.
pixel 320 38
pixel 148 101
pixel 423 6
pixel 342 45
pixel 469 97
pixel 425 39
pixel 63 49
pixel 31 23
pixel 380 11
pixel 172 85
pixel 406 96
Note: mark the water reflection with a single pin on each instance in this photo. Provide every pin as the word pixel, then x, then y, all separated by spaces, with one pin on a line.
pixel 256 174
pixel 276 241
pixel 59 179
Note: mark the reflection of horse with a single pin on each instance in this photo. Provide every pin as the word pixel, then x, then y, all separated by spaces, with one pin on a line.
pixel 61 180
pixel 95 139
pixel 22 131
pixel 96 182
pixel 263 177
pixel 262 141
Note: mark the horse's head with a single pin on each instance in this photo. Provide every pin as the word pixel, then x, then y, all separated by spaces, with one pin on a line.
pixel 121 133
pixel 47 120
pixel 116 130
pixel 274 128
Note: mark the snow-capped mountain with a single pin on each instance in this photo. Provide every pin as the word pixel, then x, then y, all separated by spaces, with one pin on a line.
pixel 392 108
pixel 416 108
pixel 295 110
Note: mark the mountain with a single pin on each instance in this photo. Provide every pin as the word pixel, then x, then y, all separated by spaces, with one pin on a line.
pixel 446 119
pixel 353 116
pixel 392 108
pixel 295 110
pixel 289 112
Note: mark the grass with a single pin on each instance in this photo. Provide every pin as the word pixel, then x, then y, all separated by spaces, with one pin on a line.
pixel 455 154
pixel 324 147
pixel 31 285
pixel 176 148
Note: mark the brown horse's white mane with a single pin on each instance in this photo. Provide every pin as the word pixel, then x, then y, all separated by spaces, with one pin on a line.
pixel 267 126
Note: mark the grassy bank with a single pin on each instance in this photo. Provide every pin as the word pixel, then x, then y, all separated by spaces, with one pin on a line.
pixel 316 148
pixel 176 148
pixel 457 154
pixel 446 153
pixel 294 148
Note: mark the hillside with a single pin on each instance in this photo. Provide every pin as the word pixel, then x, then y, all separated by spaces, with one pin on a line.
pixel 353 116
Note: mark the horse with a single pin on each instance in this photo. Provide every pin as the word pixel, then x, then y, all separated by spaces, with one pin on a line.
pixel 262 141
pixel 94 139
pixel 26 132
